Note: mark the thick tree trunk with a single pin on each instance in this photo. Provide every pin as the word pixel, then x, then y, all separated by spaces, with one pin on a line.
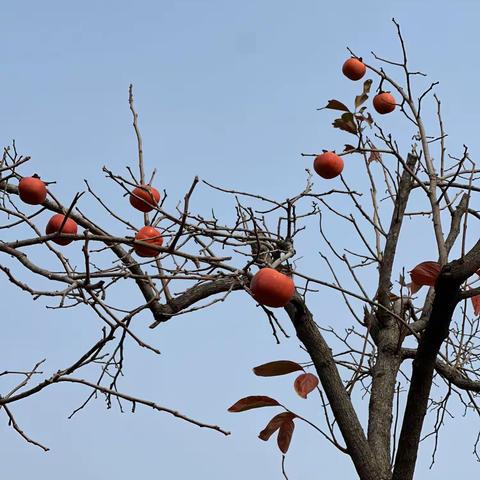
pixel 340 403
pixel 384 377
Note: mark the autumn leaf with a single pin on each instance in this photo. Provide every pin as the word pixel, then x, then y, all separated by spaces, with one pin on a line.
pixel 374 156
pixel 280 367
pixel 363 97
pixel 305 383
pixel 254 401
pixel 367 84
pixel 476 304
pixel 274 424
pixel 475 299
pixel 335 105
pixel 359 99
pixel 425 273
pixel 349 147
pixel 346 123
pixel 285 435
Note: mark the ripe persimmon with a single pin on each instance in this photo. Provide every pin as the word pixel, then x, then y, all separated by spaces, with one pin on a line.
pixel 32 190
pixel 54 225
pixel 272 288
pixel 144 198
pixel 384 103
pixel 328 165
pixel 150 235
pixel 354 68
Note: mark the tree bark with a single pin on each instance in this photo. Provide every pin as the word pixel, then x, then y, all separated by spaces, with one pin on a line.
pixel 340 402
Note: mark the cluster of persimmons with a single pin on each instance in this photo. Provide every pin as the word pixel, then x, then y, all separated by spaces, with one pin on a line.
pixel 268 286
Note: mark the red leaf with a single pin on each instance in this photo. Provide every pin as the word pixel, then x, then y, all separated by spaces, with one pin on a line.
pixel 285 435
pixel 274 424
pixel 425 273
pixel 476 304
pixel 280 367
pixel 305 383
pixel 254 401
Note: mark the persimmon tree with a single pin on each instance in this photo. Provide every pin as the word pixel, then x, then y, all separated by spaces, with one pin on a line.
pixel 414 326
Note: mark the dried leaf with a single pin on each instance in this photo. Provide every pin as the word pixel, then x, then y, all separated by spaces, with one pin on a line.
pixel 369 119
pixel 305 383
pixel 348 148
pixel 285 435
pixel 254 401
pixel 346 123
pixel 274 424
pixel 374 156
pixel 366 86
pixel 335 105
pixel 280 367
pixel 425 273
pixel 359 99
pixel 363 97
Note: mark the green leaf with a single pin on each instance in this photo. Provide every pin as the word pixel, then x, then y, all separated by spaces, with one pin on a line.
pixel 335 105
pixel 280 367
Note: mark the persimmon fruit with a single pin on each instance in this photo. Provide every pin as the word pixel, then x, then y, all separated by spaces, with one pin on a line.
pixel 272 288
pixel 150 235
pixel 328 165
pixel 54 225
pixel 354 68
pixel 384 102
pixel 144 198
pixel 32 190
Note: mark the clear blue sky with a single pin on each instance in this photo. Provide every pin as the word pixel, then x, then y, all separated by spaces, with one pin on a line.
pixel 226 90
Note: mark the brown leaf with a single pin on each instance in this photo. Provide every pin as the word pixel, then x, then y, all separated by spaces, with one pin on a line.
pixel 254 401
pixel 359 99
pixel 335 105
pixel 349 147
pixel 305 383
pixel 369 119
pixel 280 367
pixel 274 424
pixel 285 435
pixel 366 86
pixel 346 123
pixel 425 273
pixel 363 97
pixel 374 156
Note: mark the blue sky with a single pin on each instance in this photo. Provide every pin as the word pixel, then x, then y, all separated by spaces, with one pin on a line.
pixel 227 91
